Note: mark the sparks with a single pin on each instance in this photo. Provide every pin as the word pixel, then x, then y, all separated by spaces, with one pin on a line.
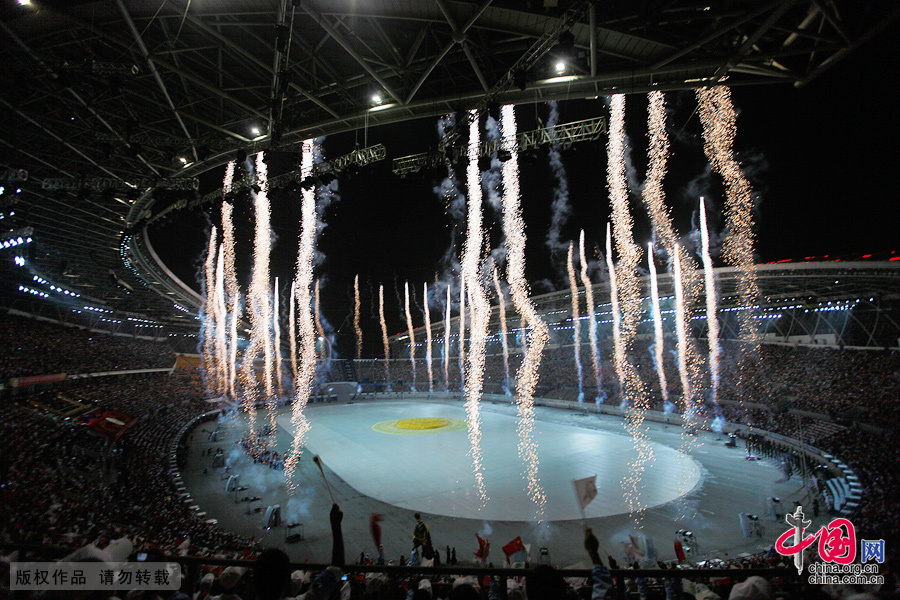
pixel 412 337
pixel 592 322
pixel 446 356
pixel 627 283
pixel 690 410
pixel 276 327
pixel 504 342
pixel 719 128
pixel 576 324
pixel 260 309
pixel 663 231
pixel 303 283
pixel 229 177
pixel 712 317
pixel 428 355
pixel 356 326
pixel 293 325
pixel 384 339
pixel 233 293
pixel 479 306
pixel 221 324
pixel 527 376
pixel 618 346
pixel 461 344
pixel 209 317
pixel 657 326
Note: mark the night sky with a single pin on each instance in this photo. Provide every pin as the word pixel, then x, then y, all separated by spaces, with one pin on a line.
pixel 822 160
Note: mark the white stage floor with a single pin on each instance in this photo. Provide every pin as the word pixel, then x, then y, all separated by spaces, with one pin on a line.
pixel 433 472
pixel 396 475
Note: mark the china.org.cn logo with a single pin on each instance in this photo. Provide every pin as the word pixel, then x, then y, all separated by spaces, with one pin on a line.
pixel 836 546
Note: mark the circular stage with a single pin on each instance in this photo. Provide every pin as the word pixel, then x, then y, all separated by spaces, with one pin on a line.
pixel 434 473
pixel 395 457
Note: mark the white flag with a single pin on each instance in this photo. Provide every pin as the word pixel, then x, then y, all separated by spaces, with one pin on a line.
pixel 585 490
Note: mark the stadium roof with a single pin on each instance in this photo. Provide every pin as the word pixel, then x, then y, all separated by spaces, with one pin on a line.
pixel 119 94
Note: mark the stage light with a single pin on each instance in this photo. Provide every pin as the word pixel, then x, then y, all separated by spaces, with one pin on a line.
pixel 560 66
pixel 383 107
pixel 376 99
pixel 255 130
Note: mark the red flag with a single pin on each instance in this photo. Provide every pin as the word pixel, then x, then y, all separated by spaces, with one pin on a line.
pixel 514 546
pixel 679 551
pixel 484 548
pixel 375 529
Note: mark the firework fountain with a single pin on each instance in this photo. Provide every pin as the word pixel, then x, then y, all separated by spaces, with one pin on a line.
pixel 592 323
pixel 428 355
pixel 233 293
pixel 657 327
pixel 446 356
pixel 292 335
pixel 412 337
pixel 480 309
pixel 306 370
pixel 687 392
pixel 576 322
pixel 259 307
pixel 718 118
pixel 712 317
pixel 527 376
pixel 356 326
pixel 627 284
pixel 689 360
pixel 461 344
pixel 384 339
pixel 276 328
pixel 221 320
pixel 618 348
pixel 504 342
pixel 209 317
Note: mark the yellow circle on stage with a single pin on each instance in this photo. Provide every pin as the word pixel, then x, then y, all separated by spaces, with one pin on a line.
pixel 420 425
pixel 423 423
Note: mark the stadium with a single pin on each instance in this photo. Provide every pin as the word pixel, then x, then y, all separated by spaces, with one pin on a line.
pixel 235 333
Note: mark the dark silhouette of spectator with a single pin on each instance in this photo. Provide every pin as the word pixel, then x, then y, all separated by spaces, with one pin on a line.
pixel 272 574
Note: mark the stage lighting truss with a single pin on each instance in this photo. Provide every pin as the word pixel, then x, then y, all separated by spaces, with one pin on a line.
pixel 108 183
pixel 14 175
pixel 563 135
pixel 332 168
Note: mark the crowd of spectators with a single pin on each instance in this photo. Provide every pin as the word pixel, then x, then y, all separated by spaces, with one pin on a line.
pixel 64 485
pixel 30 347
pixel 841 384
